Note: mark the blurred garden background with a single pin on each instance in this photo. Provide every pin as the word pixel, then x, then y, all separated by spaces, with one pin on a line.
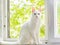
pixel 20 12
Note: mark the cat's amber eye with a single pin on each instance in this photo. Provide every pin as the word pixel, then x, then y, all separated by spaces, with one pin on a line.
pixel 34 13
pixel 38 13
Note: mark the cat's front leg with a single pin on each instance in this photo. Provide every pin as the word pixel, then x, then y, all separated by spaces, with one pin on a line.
pixel 35 39
pixel 38 39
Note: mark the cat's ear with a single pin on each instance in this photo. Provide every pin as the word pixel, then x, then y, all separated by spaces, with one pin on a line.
pixel 40 9
pixel 33 9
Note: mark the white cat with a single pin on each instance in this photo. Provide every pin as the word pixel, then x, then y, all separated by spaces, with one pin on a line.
pixel 30 30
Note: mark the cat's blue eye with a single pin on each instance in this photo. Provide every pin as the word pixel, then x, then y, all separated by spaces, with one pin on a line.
pixel 38 13
pixel 34 13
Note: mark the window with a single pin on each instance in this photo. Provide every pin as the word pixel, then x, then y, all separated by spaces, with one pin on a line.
pixel 13 17
pixel 19 14
pixel 57 31
pixel 53 18
pixel 16 13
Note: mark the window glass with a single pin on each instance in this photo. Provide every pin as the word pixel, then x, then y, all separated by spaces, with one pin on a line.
pixel 20 12
pixel 57 31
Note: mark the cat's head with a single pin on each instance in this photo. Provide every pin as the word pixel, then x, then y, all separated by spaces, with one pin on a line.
pixel 36 13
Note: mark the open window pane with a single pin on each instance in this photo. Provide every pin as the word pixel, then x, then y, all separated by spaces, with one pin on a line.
pixel 57 31
pixel 20 12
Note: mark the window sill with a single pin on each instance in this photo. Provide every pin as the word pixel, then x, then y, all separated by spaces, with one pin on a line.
pixel 11 43
pixel 54 40
pixel 7 42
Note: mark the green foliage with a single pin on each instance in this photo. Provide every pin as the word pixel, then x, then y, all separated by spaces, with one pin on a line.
pixel 20 13
pixel 42 31
pixel 32 1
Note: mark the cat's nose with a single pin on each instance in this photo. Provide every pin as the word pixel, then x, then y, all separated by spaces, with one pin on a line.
pixel 36 16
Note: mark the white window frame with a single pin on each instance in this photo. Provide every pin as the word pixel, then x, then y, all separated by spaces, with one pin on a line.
pixel 50 6
pixel 52 18
pixel 5 27
pixel 52 24
pixel 0 20
pixel 4 21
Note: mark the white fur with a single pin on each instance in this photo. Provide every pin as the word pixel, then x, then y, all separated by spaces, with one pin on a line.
pixel 30 30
